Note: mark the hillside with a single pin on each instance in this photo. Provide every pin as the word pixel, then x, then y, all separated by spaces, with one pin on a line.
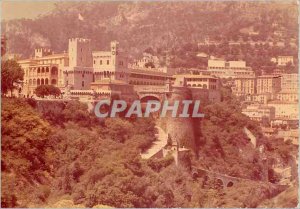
pixel 164 26
pixel 57 153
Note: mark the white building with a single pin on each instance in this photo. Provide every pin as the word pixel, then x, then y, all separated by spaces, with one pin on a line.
pixel 111 64
pixel 229 69
pixel 285 110
pixel 283 60
pixel 258 112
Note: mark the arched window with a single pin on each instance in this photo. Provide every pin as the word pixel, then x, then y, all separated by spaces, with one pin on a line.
pixel 43 70
pixel 38 82
pixel 34 82
pixel 39 70
pixel 47 69
pixel 30 82
pixel 53 81
pixel 204 86
pixel 46 81
pixel 54 70
pixel 42 81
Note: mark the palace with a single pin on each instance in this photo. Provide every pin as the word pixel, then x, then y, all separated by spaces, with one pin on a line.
pixel 88 75
pixel 44 68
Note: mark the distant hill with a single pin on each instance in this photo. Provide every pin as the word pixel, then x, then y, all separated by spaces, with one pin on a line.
pixel 139 25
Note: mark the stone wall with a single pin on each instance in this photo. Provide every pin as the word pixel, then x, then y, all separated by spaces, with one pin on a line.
pixel 181 130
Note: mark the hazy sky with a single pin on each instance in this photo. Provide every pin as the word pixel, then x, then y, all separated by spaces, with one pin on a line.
pixel 25 9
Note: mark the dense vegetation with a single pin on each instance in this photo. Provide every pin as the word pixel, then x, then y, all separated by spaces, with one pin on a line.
pixel 171 29
pixel 258 56
pixel 61 151
pixel 11 72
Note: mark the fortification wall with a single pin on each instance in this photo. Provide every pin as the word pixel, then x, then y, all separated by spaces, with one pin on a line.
pixel 181 130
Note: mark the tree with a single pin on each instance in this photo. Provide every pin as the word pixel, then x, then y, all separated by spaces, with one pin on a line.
pixel 149 50
pixel 149 64
pixel 46 90
pixel 22 145
pixel 11 72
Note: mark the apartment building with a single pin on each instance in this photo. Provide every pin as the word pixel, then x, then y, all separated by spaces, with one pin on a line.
pixel 229 69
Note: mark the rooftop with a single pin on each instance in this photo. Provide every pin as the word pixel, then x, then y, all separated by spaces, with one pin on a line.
pixel 194 76
pixel 53 56
pixel 108 81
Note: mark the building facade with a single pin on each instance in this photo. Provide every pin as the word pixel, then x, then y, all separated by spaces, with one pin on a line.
pixel 111 64
pixel 229 69
pixel 285 110
pixel 268 84
pixel 88 74
pixel 244 86
pixel 79 73
pixel 43 69
pixel 284 60
pixel 289 82
pixel 259 112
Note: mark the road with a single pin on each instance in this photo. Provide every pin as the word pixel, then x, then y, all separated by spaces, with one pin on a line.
pixel 157 145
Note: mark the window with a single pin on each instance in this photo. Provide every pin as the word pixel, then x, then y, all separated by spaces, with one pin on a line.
pixel 107 62
pixel 83 75
pixel 100 62
pixel 82 84
pixel 94 61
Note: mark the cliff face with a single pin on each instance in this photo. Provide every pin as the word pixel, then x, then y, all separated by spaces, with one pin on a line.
pixel 139 25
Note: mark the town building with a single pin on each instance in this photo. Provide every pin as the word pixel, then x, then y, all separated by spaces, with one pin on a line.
pixel 203 87
pixel 147 61
pixel 292 135
pixel 287 96
pixel 260 98
pixel 269 131
pixel 229 69
pixel 198 81
pixel 285 110
pixel 289 82
pixel 259 112
pixel 148 76
pixel 283 60
pixel 268 84
pixel 244 86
